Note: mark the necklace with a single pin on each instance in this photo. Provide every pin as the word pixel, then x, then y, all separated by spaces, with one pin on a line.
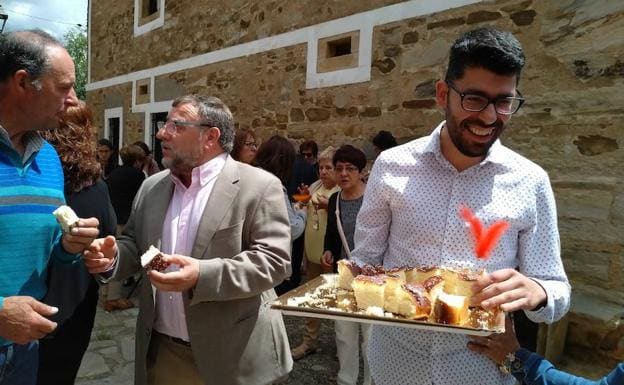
pixel 315 217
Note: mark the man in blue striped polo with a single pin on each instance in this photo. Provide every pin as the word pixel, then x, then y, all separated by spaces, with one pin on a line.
pixel 36 86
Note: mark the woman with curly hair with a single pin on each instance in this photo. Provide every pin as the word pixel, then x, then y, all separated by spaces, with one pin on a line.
pixel 70 287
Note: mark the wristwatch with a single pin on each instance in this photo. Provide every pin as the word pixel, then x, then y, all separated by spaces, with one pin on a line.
pixel 514 364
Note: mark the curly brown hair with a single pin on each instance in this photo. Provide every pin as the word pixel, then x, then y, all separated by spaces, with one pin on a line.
pixel 74 142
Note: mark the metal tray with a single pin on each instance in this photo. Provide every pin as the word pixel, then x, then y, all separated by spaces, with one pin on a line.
pixel 332 312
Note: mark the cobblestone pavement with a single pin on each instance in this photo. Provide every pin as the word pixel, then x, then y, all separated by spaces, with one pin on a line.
pixel 110 357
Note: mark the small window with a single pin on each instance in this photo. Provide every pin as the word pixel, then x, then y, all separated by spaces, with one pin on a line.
pixel 148 8
pixel 142 91
pixel 339 47
pixel 338 52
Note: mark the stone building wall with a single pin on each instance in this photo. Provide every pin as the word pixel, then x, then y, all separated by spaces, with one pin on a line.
pixel 572 123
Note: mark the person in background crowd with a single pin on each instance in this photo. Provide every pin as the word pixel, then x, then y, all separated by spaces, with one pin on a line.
pixel 123 183
pixel 150 166
pixel 305 172
pixel 276 156
pixel 529 368
pixel 70 287
pixel 414 196
pixel 223 226
pixel 107 157
pixel 314 236
pixel 348 165
pixel 245 146
pixel 36 87
pixel 383 141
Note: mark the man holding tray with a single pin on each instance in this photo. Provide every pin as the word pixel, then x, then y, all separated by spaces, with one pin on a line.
pixel 410 215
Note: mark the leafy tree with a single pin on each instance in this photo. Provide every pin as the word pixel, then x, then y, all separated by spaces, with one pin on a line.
pixel 76 45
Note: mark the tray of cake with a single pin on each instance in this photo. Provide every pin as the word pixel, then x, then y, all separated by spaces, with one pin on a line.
pixel 431 298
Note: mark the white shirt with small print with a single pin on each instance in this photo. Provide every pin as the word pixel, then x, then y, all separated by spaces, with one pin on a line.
pixel 410 217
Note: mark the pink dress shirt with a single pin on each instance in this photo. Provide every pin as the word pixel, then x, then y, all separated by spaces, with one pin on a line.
pixel 178 236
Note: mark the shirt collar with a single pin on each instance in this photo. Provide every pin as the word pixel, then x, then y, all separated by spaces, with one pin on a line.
pixel 496 153
pixel 204 173
pixel 32 141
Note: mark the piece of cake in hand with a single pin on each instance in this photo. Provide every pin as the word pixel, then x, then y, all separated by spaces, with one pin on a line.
pixel 451 309
pixel 347 270
pixel 414 301
pixel 460 281
pixel 369 291
pixel 66 217
pixel 152 260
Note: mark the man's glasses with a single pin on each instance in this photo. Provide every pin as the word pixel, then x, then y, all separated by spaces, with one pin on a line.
pixel 176 126
pixel 504 105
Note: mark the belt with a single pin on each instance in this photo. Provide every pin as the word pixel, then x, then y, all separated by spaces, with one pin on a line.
pixel 176 340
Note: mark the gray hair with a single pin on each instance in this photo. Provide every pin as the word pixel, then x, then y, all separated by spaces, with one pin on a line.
pixel 212 110
pixel 25 50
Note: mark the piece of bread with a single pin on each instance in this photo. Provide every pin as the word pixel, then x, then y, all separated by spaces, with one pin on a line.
pixel 66 217
pixel 451 309
pixel 413 301
pixel 369 290
pixel 347 270
pixel 152 260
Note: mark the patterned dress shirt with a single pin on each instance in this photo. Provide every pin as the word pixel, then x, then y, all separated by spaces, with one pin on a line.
pixel 410 216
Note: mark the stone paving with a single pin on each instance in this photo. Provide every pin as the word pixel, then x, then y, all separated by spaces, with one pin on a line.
pixel 110 356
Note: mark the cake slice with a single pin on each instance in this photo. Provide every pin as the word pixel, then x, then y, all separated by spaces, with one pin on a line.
pixel 418 275
pixel 413 301
pixel 66 217
pixel 369 291
pixel 392 297
pixel 434 285
pixel 347 271
pixel 460 281
pixel 451 309
pixel 152 260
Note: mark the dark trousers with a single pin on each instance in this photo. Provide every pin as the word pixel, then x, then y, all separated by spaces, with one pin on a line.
pixel 18 364
pixel 60 354
pixel 526 330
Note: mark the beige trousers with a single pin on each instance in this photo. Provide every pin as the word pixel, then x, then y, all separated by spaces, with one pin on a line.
pixel 170 363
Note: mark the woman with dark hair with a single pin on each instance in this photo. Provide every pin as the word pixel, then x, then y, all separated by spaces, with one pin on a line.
pixel 107 156
pixel 342 213
pixel 70 287
pixel 245 146
pixel 276 156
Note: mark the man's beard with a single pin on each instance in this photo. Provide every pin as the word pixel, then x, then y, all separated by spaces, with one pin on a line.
pixel 181 165
pixel 469 148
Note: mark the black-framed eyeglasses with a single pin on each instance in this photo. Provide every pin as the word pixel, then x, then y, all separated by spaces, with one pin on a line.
pixel 175 126
pixel 504 105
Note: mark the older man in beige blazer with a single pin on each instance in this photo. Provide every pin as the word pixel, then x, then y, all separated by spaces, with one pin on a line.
pixel 223 226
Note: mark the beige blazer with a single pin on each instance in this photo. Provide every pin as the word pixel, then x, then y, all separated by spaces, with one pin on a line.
pixel 243 243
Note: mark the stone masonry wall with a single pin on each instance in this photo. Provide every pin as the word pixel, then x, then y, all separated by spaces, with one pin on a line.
pixel 196 27
pixel 572 123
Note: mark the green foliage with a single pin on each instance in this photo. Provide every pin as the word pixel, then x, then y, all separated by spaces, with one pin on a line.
pixel 76 45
